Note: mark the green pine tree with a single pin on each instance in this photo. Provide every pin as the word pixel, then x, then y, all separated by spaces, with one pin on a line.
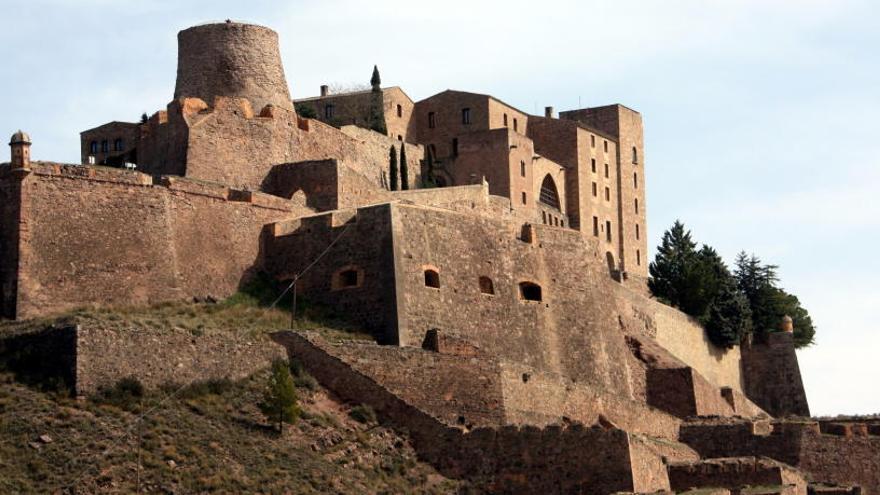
pixel 669 270
pixel 392 168
pixel 280 399
pixel 729 317
pixel 404 169
pixel 144 118
pixel 376 118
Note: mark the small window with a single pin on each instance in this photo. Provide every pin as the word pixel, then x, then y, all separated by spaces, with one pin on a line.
pixel 593 165
pixel 117 144
pixel 328 111
pixel 529 291
pixel 607 194
pixel 486 286
pixel 562 223
pixel 592 141
pixel 399 137
pixel 466 116
pixel 432 278
pixel 454 146
pixel 432 121
pixel 105 146
pixel 606 146
pixel 635 155
pixel 636 203
pixel 638 257
pixel 635 180
pixel 522 168
pixel 399 111
pixel 637 232
pixel 544 217
pixel 515 126
pixel 608 230
pixel 596 226
pixel 505 120
pixel 348 277
pixel 595 189
pixel 93 147
pixel 524 197
pixel 607 171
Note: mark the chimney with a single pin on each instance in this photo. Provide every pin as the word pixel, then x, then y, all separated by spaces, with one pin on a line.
pixel 324 90
pixel 548 112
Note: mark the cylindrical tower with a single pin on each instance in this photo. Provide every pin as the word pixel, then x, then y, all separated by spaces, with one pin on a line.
pixel 231 59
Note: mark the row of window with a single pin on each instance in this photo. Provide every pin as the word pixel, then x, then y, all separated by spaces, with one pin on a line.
pixel 550 219
pixel 528 291
pixel 609 237
pixel 118 145
pixel 465 118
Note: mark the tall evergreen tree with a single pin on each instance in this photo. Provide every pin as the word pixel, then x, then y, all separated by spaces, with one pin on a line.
pixel 392 167
pixel 377 104
pixel 404 169
pixel 669 270
pixel 729 316
pixel 279 399
pixel 144 118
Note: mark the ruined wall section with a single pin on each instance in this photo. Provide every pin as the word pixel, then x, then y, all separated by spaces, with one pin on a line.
pixel 105 236
pixel 571 331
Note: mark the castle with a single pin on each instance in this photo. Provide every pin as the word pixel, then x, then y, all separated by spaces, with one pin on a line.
pixel 509 297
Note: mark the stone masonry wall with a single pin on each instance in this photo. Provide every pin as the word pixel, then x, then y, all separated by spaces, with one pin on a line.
pixel 106 236
pixel 9 236
pixel 772 376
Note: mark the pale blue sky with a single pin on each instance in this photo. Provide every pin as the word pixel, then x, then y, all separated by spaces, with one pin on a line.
pixel 760 115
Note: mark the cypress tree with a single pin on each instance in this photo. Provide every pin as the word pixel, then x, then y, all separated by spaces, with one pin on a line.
pixel 392 167
pixel 279 399
pixel 377 104
pixel 404 170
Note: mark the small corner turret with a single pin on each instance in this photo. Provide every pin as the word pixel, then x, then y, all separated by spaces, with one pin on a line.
pixel 20 144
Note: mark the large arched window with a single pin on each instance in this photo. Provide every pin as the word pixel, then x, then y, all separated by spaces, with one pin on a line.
pixel 549 194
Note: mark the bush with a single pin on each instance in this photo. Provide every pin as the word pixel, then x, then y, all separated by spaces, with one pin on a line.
pixel 363 414
pixel 125 394
pixel 280 399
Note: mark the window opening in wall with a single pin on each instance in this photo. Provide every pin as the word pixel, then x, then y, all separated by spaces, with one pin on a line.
pixel 606 146
pixel 549 194
pixel 486 286
pixel 637 232
pixel 515 124
pixel 522 168
pixel 607 194
pixel 544 217
pixel 635 155
pixel 399 137
pixel 635 180
pixel 328 111
pixel 399 111
pixel 608 230
pixel 596 226
pixel 638 257
pixel 636 202
pixel 117 144
pixel 524 197
pixel 505 120
pixel 592 141
pixel 93 147
pixel 593 165
pixel 465 115
pixel 530 291
pixel 454 146
pixel 432 278
pixel 348 278
pixel 607 171
pixel 595 189
pixel 562 223
pixel 105 146
pixel 432 121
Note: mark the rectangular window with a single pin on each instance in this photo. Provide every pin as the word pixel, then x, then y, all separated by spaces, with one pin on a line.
pixel 606 146
pixel 522 168
pixel 593 165
pixel 638 257
pixel 524 197
pixel 637 232
pixel 432 122
pixel 637 205
pixel 596 226
pixel 505 120
pixel 592 141
pixel 515 126
pixel 635 180
pixel 466 116
pixel 607 194
pixel 608 230
pixel 328 111
pixel 606 171
pixel 595 189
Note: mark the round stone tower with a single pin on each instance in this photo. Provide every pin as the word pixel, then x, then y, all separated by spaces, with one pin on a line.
pixel 231 59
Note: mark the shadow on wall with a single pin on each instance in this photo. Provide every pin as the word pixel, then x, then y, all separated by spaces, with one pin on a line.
pixel 45 359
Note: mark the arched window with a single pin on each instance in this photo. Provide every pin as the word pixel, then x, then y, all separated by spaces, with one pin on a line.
pixel 549 194
pixel 93 147
pixel 529 291
pixel 117 144
pixel 432 278
pixel 105 146
pixel 635 155
pixel 486 286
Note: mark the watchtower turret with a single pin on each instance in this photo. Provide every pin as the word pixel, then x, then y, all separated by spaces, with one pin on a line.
pixel 20 144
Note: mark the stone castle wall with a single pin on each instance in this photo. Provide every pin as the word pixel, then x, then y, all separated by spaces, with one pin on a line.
pixel 772 377
pixel 10 194
pixel 104 236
